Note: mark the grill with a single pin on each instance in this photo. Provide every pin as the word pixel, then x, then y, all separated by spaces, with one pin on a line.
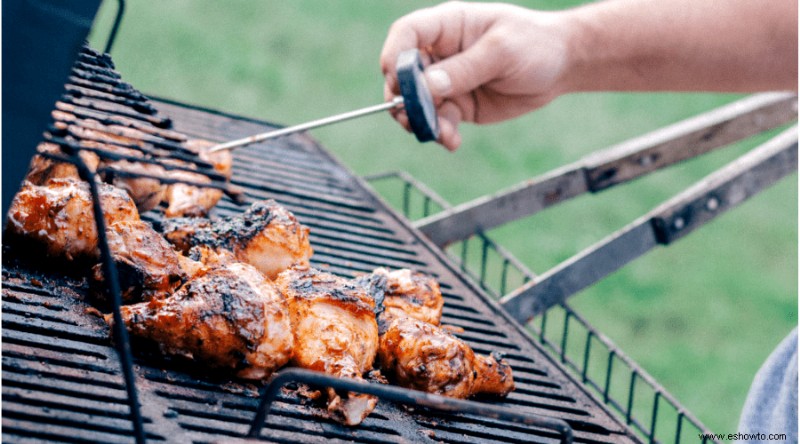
pixel 65 382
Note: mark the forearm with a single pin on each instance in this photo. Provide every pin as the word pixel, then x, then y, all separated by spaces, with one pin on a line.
pixel 682 45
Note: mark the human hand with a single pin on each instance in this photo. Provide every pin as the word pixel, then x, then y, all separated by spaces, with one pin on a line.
pixel 486 62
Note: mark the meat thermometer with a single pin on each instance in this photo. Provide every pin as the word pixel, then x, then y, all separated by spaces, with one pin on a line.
pixel 414 96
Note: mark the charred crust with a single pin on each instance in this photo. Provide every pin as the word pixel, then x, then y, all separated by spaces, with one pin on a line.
pixel 375 284
pixel 230 231
pixel 310 283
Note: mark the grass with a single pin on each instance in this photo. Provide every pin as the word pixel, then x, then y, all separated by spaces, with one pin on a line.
pixel 701 315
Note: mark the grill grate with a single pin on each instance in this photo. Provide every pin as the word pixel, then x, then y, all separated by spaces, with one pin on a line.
pixel 63 381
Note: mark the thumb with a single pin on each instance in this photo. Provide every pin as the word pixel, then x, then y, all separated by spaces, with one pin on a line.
pixel 463 72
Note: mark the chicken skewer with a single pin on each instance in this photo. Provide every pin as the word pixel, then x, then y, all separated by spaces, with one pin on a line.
pixel 335 332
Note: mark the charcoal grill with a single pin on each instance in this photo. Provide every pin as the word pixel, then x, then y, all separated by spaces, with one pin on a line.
pixel 64 381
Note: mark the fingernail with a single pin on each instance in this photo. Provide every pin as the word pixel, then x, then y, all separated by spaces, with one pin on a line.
pixel 438 82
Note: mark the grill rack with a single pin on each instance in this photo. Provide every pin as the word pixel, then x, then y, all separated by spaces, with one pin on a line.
pixel 96 93
pixel 588 424
pixel 748 175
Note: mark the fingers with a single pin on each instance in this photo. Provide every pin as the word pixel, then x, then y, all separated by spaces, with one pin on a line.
pixel 449 118
pixel 432 30
pixel 466 71
pixel 416 30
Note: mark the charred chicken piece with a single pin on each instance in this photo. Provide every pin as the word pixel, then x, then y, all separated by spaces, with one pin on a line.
pixel 229 318
pixel 424 357
pixel 266 236
pixel 335 332
pixel 191 201
pixel 147 265
pixel 416 352
pixel 413 294
pixel 147 192
pixel 59 216
pixel 42 169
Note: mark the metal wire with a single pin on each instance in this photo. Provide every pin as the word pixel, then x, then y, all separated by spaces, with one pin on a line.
pixel 121 339
pixel 559 346
pixel 400 395
pixel 115 27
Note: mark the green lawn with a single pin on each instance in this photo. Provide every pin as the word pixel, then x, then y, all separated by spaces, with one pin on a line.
pixel 700 315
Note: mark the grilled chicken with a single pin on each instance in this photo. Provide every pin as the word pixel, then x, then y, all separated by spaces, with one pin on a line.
pixel 147 265
pixel 424 357
pixel 416 352
pixel 412 294
pixel 229 318
pixel 147 192
pixel 42 169
pixel 59 215
pixel 266 236
pixel 335 332
pixel 192 201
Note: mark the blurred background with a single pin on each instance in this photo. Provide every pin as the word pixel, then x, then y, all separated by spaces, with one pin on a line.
pixel 701 316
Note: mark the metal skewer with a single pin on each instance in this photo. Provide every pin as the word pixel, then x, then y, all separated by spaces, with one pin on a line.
pixel 394 103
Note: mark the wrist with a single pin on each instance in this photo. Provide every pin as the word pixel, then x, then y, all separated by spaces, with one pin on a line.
pixel 577 73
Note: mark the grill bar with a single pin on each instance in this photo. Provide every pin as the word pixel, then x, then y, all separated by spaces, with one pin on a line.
pixel 112 283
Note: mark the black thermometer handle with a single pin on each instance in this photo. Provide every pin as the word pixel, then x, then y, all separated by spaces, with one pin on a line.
pixel 417 98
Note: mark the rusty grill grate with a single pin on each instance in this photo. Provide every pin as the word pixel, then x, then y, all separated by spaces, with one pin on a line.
pixel 63 381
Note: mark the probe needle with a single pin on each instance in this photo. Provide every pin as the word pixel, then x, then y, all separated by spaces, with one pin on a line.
pixel 394 103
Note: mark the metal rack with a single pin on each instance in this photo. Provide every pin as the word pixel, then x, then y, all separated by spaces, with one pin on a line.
pixel 538 301
pixel 76 388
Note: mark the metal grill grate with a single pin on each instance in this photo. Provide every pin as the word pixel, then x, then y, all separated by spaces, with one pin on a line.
pixel 63 380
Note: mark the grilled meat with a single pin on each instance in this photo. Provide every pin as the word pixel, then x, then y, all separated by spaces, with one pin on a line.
pixel 191 201
pixel 59 215
pixel 335 332
pixel 424 357
pixel 147 192
pixel 147 265
pixel 266 236
pixel 413 294
pixel 416 352
pixel 42 169
pixel 229 318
